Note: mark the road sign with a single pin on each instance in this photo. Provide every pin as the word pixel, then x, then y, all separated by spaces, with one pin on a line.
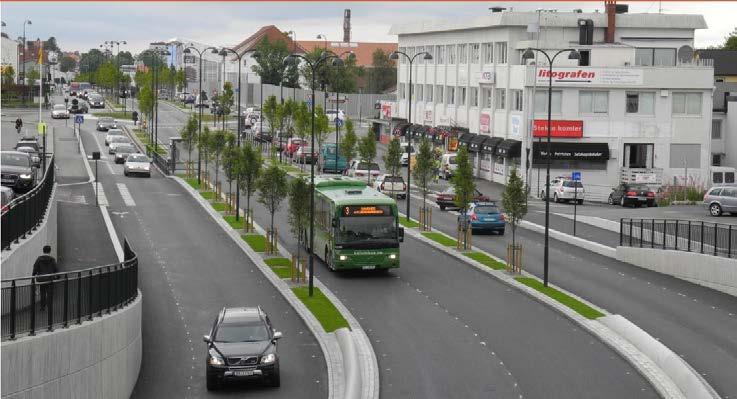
pixel 338 122
pixel 576 176
pixel 79 119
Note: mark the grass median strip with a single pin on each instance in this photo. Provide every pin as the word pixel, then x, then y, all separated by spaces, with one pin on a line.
pixel 408 223
pixel 440 238
pixel 280 266
pixel 578 306
pixel 322 308
pixel 192 181
pixel 485 260
pixel 236 224
pixel 220 206
pixel 116 114
pixel 255 241
pixel 208 195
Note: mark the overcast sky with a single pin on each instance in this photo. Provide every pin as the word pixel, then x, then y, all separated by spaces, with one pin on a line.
pixel 82 25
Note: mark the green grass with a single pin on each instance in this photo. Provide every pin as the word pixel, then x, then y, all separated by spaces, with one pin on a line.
pixel 208 195
pixel 256 241
pixel 408 223
pixel 280 266
pixel 440 238
pixel 233 223
pixel 322 308
pixel 486 260
pixel 192 181
pixel 116 115
pixel 143 136
pixel 578 306
pixel 220 206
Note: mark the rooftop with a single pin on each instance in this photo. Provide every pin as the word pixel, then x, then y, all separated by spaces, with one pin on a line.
pixel 363 51
pixel 270 32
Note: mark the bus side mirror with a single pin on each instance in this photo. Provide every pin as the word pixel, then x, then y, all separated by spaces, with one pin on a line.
pixel 401 234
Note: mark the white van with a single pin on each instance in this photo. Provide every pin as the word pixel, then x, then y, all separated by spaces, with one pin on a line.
pixel 721 175
pixel 448 165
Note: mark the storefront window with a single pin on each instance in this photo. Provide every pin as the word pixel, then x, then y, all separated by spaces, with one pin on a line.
pixel 463 54
pixel 439 93
pixel 640 103
pixel 474 97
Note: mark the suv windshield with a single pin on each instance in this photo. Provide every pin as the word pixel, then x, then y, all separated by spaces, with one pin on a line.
pixel 242 332
pixel 126 149
pixel 15 160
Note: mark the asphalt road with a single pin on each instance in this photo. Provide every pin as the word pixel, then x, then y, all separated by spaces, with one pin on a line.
pixel 189 270
pixel 442 329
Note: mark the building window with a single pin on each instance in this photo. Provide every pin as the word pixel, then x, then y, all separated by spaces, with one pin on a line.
pixel 419 88
pixel 450 51
pixel 428 93
pixel 500 98
pixel 439 94
pixel 593 102
pixel 402 88
pixel 584 58
pixel 486 98
pixel 541 102
pixel 716 160
pixel 418 50
pixel 412 91
pixel 401 59
pixel 640 155
pixel 640 103
pixel 655 56
pixel 685 155
pixel 488 53
pixel 451 93
pixel 687 103
pixel 716 129
pixel 516 100
pixel 474 97
pixel 462 96
pixel 463 54
pixel 475 50
pixel 440 52
pixel 501 52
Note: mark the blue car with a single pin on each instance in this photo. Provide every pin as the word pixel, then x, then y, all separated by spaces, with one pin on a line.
pixel 484 217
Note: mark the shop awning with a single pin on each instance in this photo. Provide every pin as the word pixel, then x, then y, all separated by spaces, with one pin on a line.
pixel 466 138
pixel 489 146
pixel 570 151
pixel 509 148
pixel 400 129
pixel 477 142
pixel 429 132
pixel 417 130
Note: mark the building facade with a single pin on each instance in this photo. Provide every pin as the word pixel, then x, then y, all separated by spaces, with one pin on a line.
pixel 636 106
pixel 9 53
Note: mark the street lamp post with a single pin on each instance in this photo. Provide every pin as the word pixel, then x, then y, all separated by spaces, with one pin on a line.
pixel 337 107
pixel 188 50
pixel 573 55
pixel 395 56
pixel 25 50
pixel 313 66
pixel 117 43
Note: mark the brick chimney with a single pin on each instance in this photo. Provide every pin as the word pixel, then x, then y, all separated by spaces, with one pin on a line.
pixel 610 7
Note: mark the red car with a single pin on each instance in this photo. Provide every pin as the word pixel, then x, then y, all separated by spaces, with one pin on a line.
pixel 293 145
pixel 446 199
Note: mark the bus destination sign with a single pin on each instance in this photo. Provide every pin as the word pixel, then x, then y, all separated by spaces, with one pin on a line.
pixel 366 210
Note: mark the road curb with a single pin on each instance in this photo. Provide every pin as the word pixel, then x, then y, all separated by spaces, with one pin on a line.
pixel 328 341
pixel 647 367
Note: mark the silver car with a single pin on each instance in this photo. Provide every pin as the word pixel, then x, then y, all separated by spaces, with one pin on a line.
pixel 60 112
pixel 721 199
pixel 117 141
pixel 137 164
pixel 111 133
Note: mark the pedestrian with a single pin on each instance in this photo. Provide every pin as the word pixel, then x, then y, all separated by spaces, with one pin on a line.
pixel 18 124
pixel 134 116
pixel 45 264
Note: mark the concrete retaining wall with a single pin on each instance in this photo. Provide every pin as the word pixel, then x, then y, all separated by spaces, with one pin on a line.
pixel 18 260
pixel 710 271
pixel 98 359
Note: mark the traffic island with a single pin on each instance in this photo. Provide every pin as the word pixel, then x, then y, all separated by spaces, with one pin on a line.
pixel 256 241
pixel 280 266
pixel 576 305
pixel 440 238
pixel 485 260
pixel 325 312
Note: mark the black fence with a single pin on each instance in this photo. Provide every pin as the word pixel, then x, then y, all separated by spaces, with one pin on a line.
pixel 681 235
pixel 25 213
pixel 161 162
pixel 43 303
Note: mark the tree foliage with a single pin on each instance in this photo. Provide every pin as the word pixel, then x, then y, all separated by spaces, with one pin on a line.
pixel 32 76
pixel 50 45
pixel 273 188
pixel 393 157
pixel 90 61
pixel 249 170
pixel 189 135
pixel 270 63
pixel 514 201
pixel 383 73
pixel 349 142
pixel 341 78
pixel 463 181
pixel 299 208
pixel 8 75
pixel 302 120
pixel 424 169
pixel 367 150
pixel 730 42
pixel 67 64
pixel 270 112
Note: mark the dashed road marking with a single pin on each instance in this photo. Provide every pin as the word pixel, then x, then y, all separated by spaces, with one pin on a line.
pixel 127 197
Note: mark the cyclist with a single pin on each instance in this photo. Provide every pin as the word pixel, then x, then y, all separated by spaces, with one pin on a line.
pixel 18 124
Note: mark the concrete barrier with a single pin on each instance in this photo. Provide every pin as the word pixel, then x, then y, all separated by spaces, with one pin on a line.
pixel 710 271
pixel 98 359
pixel 691 384
pixel 351 366
pixel 592 246
pixel 18 260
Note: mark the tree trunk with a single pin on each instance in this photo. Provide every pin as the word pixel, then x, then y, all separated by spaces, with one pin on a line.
pixel 248 202
pixel 217 175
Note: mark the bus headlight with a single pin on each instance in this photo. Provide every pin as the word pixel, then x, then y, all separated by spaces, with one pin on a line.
pixel 343 257
pixel 392 256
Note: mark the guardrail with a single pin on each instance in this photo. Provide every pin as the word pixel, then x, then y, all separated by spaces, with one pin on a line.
pixel 23 214
pixel 161 162
pixel 681 235
pixel 37 303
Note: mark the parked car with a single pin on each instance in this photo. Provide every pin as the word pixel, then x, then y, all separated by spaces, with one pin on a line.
pixel 202 101
pixel 137 164
pixel 17 171
pixel 189 99
pixel 96 101
pixel 360 170
pixel 721 199
pixel 484 217
pixel 293 144
pixel 331 114
pixel 60 111
pixel 405 157
pixel 32 152
pixel 446 199
pixel 106 123
pixel 305 155
pixel 632 195
pixel 242 345
pixel 331 163
pixel 448 165
pixel 111 133
pixel 262 135
pixel 28 141
pixel 6 196
pixel 117 141
pixel 123 151
pixel 392 186
pixel 78 107
pixel 567 190
pixel 251 118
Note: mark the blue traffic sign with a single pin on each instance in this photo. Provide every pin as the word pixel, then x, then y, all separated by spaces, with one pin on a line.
pixel 79 119
pixel 576 176
pixel 338 122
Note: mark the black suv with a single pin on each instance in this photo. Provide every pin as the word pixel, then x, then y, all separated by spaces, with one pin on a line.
pixel 18 171
pixel 242 345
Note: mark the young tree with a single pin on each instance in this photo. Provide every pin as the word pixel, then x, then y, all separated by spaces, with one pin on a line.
pixel 8 75
pixel 32 77
pixel 270 64
pixel 249 169
pixel 349 142
pixel 463 181
pixel 189 137
pixel 367 151
pixel 514 201
pixel 423 169
pixel 272 187
pixel 203 146
pixel 322 128
pixel 146 100
pixel 271 112
pixel 299 210
pixel 230 161
pixel 226 101
pixel 393 157
pixel 217 146
pixel 67 64
pixel 730 42
pixel 287 117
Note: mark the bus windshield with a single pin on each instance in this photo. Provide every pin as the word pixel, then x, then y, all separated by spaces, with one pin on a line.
pixel 353 229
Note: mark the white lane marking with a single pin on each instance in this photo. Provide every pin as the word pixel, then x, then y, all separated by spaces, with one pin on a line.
pixel 127 198
pixel 102 154
pixel 112 233
pixel 100 191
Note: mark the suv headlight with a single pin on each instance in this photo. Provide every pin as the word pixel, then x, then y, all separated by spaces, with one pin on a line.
pixel 25 176
pixel 214 358
pixel 270 358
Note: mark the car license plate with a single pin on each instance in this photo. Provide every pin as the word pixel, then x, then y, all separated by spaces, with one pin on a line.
pixel 242 373
pixel 369 267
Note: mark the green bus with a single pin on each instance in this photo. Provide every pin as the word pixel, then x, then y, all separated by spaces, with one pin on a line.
pixel 356 227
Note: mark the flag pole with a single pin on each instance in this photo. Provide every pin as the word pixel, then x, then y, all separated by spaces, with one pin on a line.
pixel 41 79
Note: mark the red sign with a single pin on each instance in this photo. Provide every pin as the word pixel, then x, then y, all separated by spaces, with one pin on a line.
pixel 484 123
pixel 570 129
pixel 386 111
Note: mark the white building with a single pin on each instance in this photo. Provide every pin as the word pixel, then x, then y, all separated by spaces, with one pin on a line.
pixel 636 106
pixel 9 53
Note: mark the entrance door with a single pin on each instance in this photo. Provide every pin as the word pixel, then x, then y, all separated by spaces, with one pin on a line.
pixel 639 155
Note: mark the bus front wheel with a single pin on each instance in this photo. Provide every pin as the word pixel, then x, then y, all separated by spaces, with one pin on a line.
pixel 329 260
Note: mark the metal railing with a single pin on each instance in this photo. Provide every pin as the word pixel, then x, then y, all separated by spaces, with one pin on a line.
pixel 23 215
pixel 681 235
pixel 42 303
pixel 161 162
